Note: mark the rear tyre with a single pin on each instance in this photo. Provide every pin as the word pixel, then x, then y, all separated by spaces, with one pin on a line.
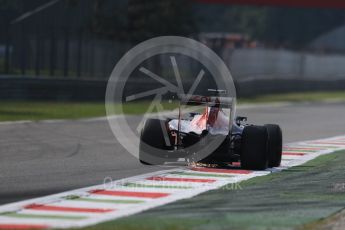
pixel 254 148
pixel 275 145
pixel 152 145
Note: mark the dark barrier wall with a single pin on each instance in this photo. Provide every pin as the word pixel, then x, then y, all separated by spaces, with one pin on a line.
pixel 33 88
pixel 273 86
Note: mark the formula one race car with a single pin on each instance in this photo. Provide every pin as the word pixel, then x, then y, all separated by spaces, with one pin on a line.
pixel 206 131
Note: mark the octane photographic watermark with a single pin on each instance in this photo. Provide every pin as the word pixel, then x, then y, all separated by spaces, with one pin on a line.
pixel 155 74
pixel 109 183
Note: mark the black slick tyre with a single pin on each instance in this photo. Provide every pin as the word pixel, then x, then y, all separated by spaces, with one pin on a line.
pixel 254 148
pixel 275 145
pixel 152 147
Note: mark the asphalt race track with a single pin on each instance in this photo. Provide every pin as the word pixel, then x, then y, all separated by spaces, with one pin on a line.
pixel 42 158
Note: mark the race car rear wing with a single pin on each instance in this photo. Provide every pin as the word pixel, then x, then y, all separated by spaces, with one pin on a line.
pixel 212 101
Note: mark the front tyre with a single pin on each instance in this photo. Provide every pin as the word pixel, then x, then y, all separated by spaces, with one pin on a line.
pixel 254 148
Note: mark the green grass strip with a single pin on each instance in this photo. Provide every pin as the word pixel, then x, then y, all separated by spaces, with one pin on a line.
pixel 156 186
pixel 112 201
pixel 41 216
pixel 38 110
pixel 200 174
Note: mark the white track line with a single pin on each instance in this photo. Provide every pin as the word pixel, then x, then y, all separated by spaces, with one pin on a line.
pixel 132 195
